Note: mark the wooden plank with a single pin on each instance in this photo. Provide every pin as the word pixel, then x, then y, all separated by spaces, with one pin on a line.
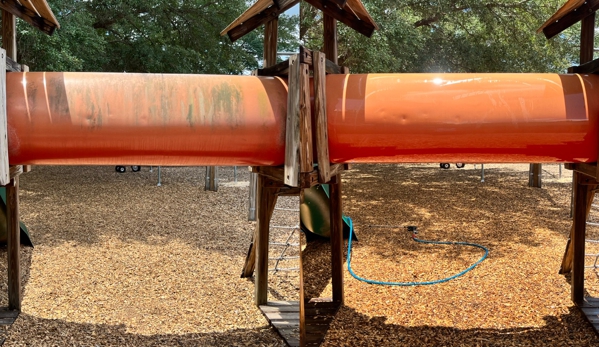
pixel 211 182
pixel 587 68
pixel 279 69
pixel 345 16
pixel 7 321
pixel 570 18
pixel 306 148
pixel 45 11
pixel 320 118
pixel 13 66
pixel 253 10
pixel 306 57
pixel 258 19
pixel 587 38
pixel 267 199
pixel 271 33
pixel 581 196
pixel 336 213
pixel 4 165
pixel 14 243
pixel 292 131
pixel 589 170
pixel 9 314
pixel 44 24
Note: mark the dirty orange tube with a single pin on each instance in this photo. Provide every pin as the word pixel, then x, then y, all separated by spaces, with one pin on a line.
pixel 475 118
pixel 145 119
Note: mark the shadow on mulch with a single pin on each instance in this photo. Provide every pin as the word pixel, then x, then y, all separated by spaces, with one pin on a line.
pixel 350 328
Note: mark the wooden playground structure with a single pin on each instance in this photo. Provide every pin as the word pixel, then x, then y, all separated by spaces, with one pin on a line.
pixel 307 160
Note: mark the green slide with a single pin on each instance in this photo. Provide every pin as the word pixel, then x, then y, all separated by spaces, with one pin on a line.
pixel 314 212
pixel 25 239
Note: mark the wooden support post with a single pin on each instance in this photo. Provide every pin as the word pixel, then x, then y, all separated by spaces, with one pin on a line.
pixel 320 116
pixel 292 132
pixel 330 38
pixel 14 244
pixel 584 185
pixel 4 166
pixel 9 34
pixel 267 199
pixel 302 287
pixel 534 175
pixel 271 34
pixel 211 183
pixel 336 213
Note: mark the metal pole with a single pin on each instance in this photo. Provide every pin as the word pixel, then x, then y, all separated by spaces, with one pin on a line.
pixel 159 182
pixel 482 172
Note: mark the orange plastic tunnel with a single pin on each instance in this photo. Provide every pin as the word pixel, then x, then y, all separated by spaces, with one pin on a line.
pixel 149 119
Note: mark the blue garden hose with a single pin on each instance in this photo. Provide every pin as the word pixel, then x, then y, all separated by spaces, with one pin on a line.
pixel 405 284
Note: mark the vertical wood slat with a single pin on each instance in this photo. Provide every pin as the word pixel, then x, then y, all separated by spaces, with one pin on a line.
pixel 330 38
pixel 267 198
pixel 336 213
pixel 14 244
pixel 578 235
pixel 4 165
pixel 271 33
pixel 306 149
pixel 320 116
pixel 534 175
pixel 292 131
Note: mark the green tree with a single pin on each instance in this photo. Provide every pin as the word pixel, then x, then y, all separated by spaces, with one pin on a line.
pixel 452 36
pixel 144 36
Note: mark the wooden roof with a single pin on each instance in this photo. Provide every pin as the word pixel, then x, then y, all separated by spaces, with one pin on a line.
pixel 569 14
pixel 34 12
pixel 350 12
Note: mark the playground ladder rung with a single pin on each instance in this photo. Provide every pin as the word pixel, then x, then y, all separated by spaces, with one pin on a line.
pixel 285 258
pixel 284 244
pixel 287 209
pixel 284 227
pixel 284 269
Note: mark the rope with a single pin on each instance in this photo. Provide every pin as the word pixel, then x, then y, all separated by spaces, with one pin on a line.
pixel 406 284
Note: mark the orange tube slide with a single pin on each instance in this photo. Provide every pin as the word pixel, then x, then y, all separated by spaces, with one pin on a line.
pixel 145 119
pixel 476 118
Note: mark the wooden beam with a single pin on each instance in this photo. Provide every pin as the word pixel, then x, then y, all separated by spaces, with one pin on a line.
pixel 336 213
pixel 279 69
pixel 348 18
pixel 13 66
pixel 271 33
pixel 588 8
pixel 306 57
pixel 320 118
pixel 587 68
pixel 292 132
pixel 581 198
pixel 259 19
pixel 29 16
pixel 330 38
pixel 267 199
pixel 4 165
pixel 14 244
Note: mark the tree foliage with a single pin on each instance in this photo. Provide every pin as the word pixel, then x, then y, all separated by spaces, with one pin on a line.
pixel 451 36
pixel 145 36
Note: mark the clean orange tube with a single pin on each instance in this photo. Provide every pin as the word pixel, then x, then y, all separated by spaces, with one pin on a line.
pixel 145 119
pixel 476 118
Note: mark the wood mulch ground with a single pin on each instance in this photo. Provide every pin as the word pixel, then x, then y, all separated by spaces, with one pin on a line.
pixel 119 261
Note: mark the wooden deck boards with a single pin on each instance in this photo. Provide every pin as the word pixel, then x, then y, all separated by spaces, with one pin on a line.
pixel 590 308
pixel 284 317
